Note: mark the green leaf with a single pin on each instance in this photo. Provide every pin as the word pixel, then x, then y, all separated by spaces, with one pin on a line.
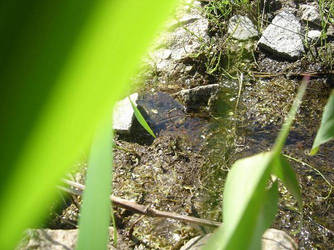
pixel 287 175
pixel 63 65
pixel 266 216
pixel 95 208
pixel 326 130
pixel 281 138
pixel 244 198
pixel 141 119
pixel 248 209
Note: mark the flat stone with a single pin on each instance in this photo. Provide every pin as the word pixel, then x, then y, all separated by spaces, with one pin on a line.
pixel 283 37
pixel 310 13
pixel 123 115
pixel 53 239
pixel 241 28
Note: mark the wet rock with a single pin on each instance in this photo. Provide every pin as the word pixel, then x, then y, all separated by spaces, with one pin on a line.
pixel 52 239
pixel 184 37
pixel 165 114
pixel 199 96
pixel 310 13
pixel 282 37
pixel 241 28
pixel 123 115
pixel 272 239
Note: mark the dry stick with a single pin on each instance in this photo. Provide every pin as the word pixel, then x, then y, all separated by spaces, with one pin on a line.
pixel 141 209
pixel 312 74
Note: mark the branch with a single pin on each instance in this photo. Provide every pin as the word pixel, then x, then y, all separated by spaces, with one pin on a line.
pixel 77 189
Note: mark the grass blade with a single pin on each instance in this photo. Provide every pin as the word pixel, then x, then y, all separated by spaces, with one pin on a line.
pixel 95 209
pixel 141 119
pixel 287 175
pixel 326 130
pixel 280 141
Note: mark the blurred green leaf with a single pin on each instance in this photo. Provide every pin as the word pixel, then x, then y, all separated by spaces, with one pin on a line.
pixel 326 130
pixel 266 216
pixel 95 209
pixel 141 119
pixel 63 65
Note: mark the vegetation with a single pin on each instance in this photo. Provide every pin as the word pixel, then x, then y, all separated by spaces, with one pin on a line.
pixel 46 124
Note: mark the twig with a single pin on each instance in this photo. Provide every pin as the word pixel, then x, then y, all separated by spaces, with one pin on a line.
pixel 141 209
pixel 295 74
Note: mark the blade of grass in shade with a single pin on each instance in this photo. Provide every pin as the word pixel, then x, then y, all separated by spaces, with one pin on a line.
pixel 280 140
pixel 63 66
pixel 95 209
pixel 326 130
pixel 287 175
pixel 244 197
pixel 141 119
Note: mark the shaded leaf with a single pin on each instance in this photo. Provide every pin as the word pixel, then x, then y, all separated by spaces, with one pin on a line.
pixel 283 171
pixel 95 209
pixel 326 130
pixel 266 215
pixel 141 119
pixel 244 197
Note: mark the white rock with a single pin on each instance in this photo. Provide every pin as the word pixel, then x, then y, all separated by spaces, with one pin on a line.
pixel 310 13
pixel 313 35
pixel 123 115
pixel 272 239
pixel 241 28
pixel 184 37
pixel 283 37
pixel 53 239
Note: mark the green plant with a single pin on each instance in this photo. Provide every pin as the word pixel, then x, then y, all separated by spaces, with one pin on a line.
pixel 326 130
pixel 141 119
pixel 251 196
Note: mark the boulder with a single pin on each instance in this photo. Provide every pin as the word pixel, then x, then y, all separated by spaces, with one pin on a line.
pixel 123 115
pixel 283 37
pixel 241 28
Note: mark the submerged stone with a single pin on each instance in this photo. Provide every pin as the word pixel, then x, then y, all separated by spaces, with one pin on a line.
pixel 197 97
pixel 123 115
pixel 283 37
pixel 241 28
